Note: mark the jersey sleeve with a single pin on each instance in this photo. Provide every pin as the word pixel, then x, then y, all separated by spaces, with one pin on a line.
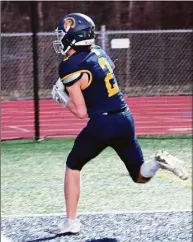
pixel 69 74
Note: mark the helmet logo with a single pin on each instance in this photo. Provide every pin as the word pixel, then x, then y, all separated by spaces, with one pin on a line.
pixel 69 23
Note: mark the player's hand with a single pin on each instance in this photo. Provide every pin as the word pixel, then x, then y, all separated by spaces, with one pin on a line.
pixel 59 84
pixel 59 94
pixel 55 95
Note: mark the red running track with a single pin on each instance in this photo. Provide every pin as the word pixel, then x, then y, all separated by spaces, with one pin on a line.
pixel 166 115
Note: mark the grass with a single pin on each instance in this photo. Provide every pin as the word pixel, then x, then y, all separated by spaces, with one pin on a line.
pixel 32 179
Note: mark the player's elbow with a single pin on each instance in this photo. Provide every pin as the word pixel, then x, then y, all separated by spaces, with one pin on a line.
pixel 82 113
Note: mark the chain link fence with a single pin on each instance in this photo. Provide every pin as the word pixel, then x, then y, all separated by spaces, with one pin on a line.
pixel 156 63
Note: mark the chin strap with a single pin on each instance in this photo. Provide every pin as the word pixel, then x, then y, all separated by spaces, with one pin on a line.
pixel 63 52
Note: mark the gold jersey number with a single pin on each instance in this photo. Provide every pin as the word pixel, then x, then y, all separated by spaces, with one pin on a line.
pixel 111 89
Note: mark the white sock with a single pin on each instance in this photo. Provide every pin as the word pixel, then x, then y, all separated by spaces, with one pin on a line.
pixel 70 220
pixel 150 168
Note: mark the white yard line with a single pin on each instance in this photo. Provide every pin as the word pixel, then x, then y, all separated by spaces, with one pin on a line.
pixel 180 129
pixel 177 118
pixel 95 213
pixel 19 128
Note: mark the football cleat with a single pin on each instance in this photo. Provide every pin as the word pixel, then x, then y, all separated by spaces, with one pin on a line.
pixel 69 227
pixel 171 163
pixel 5 239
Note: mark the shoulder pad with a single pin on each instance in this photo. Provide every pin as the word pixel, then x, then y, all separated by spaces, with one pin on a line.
pixel 73 77
pixel 69 71
pixel 72 69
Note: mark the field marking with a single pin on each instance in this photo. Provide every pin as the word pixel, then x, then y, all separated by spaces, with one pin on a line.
pixel 177 118
pixel 97 213
pixel 173 128
pixel 153 103
pixel 48 124
pixel 176 180
pixel 43 130
pixel 169 177
pixel 180 129
pixel 161 127
pixel 19 128
pixel 61 119
pixel 136 111
pixel 138 120
pixel 30 120
pixel 45 123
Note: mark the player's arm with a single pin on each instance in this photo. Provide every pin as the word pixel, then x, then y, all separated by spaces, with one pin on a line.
pixel 72 77
pixel 71 97
pixel 76 103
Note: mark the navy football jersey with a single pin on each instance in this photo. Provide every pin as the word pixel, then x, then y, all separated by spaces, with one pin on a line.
pixel 102 93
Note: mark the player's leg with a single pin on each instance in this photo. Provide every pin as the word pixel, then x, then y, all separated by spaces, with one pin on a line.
pixel 129 150
pixel 71 191
pixel 142 172
pixel 131 154
pixel 85 148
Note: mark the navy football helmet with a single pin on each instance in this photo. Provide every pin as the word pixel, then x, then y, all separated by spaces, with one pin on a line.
pixel 74 29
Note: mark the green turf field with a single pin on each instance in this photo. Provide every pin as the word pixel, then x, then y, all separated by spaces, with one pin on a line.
pixel 32 179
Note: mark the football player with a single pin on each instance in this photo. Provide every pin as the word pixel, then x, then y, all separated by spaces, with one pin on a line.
pixel 87 86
